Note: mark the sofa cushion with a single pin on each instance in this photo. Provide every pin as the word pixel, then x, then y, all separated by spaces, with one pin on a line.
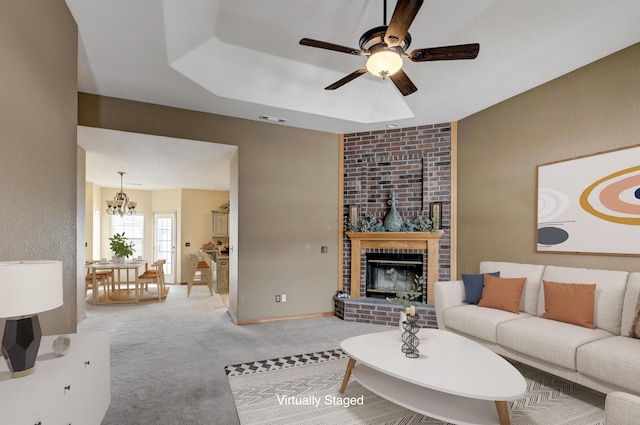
pixel 473 284
pixel 612 360
pixel 621 408
pixel 610 290
pixel 548 340
pixel 533 273
pixel 631 301
pixel 569 302
pixel 502 293
pixel 479 322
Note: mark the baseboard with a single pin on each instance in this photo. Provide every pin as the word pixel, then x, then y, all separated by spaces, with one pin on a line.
pixel 283 318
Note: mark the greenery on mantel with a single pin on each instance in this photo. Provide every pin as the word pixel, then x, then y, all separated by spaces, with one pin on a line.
pixel 372 224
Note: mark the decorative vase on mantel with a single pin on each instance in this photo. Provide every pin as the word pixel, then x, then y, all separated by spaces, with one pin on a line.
pixel 393 220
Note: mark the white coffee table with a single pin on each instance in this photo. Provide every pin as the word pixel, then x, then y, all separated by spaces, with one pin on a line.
pixel 454 379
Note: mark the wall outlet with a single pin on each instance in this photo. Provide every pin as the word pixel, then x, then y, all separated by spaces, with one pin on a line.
pixel 324 249
pixel 277 298
pixel 284 298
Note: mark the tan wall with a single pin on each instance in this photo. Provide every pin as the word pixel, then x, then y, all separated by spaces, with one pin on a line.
pixel 233 238
pixel 593 109
pixel 81 239
pixel 89 208
pixel 197 223
pixel 38 74
pixel 287 206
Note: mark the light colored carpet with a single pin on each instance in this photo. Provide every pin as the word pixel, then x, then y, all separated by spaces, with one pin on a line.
pixel 168 357
pixel 303 390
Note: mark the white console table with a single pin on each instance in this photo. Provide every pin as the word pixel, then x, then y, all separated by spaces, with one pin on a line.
pixel 71 390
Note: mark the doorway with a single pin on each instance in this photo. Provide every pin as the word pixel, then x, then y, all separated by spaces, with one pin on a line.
pixel 164 242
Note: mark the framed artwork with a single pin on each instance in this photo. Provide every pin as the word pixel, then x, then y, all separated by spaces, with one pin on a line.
pixel 590 204
pixel 436 215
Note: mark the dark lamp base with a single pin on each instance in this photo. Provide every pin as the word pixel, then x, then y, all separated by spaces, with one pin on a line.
pixel 20 344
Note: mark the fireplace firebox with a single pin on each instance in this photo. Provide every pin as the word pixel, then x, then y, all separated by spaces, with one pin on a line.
pixel 388 273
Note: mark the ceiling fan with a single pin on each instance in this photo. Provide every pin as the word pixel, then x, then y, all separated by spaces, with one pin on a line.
pixel 385 47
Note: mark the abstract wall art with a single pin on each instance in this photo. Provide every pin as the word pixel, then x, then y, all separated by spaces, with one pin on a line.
pixel 590 204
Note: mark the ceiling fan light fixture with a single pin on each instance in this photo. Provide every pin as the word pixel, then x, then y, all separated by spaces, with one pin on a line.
pixel 384 63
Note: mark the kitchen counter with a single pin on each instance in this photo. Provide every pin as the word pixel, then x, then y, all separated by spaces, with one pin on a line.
pixel 219 270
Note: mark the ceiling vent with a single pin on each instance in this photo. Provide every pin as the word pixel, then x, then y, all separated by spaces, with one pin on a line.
pixel 272 119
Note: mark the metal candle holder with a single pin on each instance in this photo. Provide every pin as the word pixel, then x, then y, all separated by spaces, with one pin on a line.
pixel 410 341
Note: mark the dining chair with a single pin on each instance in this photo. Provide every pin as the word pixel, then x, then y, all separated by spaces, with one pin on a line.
pixel 199 272
pixel 155 275
pixel 104 277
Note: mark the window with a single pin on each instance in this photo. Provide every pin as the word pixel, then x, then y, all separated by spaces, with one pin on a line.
pixel 133 228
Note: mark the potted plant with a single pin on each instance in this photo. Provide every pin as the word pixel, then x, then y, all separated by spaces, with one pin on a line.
pixel 407 298
pixel 120 247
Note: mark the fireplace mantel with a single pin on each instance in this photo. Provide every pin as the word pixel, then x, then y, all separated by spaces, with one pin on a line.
pixel 395 240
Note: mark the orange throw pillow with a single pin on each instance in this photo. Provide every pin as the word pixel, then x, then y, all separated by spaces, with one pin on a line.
pixel 502 293
pixel 570 303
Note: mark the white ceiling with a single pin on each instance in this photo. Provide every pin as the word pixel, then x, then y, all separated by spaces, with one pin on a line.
pixel 153 162
pixel 241 58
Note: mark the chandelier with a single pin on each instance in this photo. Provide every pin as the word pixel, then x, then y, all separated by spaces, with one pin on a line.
pixel 120 204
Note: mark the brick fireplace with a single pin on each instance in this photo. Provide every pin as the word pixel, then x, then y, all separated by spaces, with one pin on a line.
pixel 414 162
pixel 388 272
pixel 394 241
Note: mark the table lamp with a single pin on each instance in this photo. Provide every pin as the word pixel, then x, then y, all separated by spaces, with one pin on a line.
pixel 26 289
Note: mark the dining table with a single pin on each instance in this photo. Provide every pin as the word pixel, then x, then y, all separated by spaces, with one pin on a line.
pixel 121 276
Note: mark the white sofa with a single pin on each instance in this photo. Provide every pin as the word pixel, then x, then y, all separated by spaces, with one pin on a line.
pixel 622 409
pixel 605 358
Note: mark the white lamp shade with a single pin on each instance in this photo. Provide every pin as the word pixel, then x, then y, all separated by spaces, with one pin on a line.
pixel 383 63
pixel 29 287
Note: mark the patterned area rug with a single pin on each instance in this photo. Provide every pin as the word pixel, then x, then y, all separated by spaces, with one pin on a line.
pixel 303 390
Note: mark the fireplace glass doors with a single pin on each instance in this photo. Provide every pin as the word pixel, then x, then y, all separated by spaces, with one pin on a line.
pixel 388 273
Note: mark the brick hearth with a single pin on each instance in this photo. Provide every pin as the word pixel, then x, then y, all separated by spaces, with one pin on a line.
pixel 381 312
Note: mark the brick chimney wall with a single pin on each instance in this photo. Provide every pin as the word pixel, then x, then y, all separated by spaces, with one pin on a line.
pixel 415 162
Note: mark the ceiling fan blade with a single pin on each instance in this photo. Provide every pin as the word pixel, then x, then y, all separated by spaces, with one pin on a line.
pixel 330 46
pixel 462 51
pixel 403 15
pixel 345 80
pixel 403 83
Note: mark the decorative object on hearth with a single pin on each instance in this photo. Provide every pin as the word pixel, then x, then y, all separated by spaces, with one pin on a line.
pixel 393 221
pixel 121 204
pixel 27 288
pixel 342 294
pixel 120 247
pixel 410 340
